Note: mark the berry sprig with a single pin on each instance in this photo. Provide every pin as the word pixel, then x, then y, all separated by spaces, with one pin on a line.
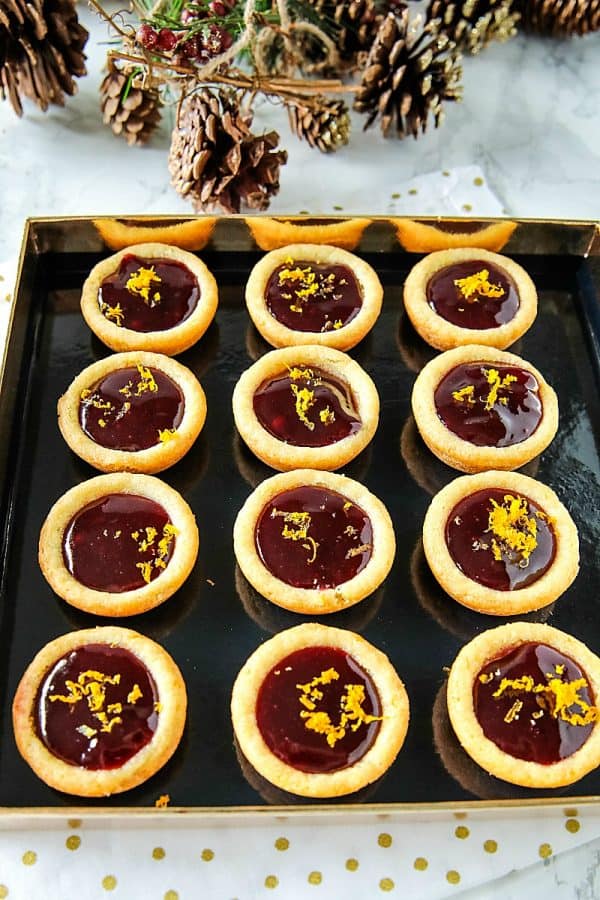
pixel 198 32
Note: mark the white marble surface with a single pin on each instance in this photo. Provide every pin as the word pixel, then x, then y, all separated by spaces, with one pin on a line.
pixel 530 122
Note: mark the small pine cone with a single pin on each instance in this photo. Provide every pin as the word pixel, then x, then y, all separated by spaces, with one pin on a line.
pixel 41 51
pixel 473 24
pixel 216 161
pixel 406 78
pixel 131 110
pixel 561 18
pixel 324 124
pixel 350 24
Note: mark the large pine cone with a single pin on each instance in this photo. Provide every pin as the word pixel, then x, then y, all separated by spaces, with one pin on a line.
pixel 215 160
pixel 41 51
pixel 324 124
pixel 350 23
pixel 561 18
pixel 406 78
pixel 131 110
pixel 472 24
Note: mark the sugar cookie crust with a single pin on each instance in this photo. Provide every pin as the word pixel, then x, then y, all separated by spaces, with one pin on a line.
pixel 344 338
pixel 277 453
pixel 171 341
pixel 154 459
pixel 377 759
pixel 305 600
pixel 461 454
pixel 468 592
pixel 444 335
pixel 73 779
pixel 467 665
pixel 126 603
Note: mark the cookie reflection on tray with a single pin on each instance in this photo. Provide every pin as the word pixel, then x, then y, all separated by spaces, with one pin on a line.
pixel 254 471
pixel 415 352
pixel 428 471
pixel 277 797
pixel 459 620
pixel 464 770
pixel 274 618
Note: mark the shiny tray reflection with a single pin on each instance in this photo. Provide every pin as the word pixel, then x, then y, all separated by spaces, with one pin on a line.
pixel 216 620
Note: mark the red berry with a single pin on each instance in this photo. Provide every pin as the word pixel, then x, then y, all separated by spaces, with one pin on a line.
pixel 166 39
pixel 215 40
pixel 190 48
pixel 147 37
pixel 217 8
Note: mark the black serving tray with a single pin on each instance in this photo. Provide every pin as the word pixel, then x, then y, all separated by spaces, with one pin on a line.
pixel 216 620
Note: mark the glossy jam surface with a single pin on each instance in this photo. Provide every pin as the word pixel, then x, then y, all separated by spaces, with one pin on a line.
pixel 529 724
pixel 311 537
pixel 501 540
pixel 288 700
pixel 473 294
pixel 118 543
pixel 489 405
pixel 306 296
pixel 148 294
pixel 306 407
pixel 96 707
pixel 131 409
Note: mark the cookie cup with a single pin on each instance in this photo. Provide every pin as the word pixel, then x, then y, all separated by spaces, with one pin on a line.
pixel 461 454
pixel 171 341
pixel 304 600
pixel 465 669
pixel 470 593
pixel 126 603
pixel 344 338
pixel 444 335
pixel 153 459
pixel 73 779
pixel 378 758
pixel 277 453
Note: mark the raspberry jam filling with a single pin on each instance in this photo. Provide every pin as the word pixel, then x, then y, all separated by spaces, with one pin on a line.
pixel 311 537
pixel 306 296
pixel 489 405
pixel 96 707
pixel 132 409
pixel 118 543
pixel 318 710
pixel 148 294
pixel 535 703
pixel 500 540
pixel 306 407
pixel 473 294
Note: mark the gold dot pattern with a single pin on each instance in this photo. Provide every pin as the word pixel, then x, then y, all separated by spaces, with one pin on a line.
pixel 158 853
pixel 109 882
pixel 74 823
pixel 282 843
pixel 315 878
pixel 384 840
pixel 467 207
pixel 478 182
pixel 452 877
pixel 171 895
pixel 462 832
pixel 572 825
pixel 545 850
pixel 386 884
pixel 570 812
pixel 207 854
pixel 271 881
pixel 420 864
pixel 490 846
pixel 352 864
pixel 73 842
pixel 29 858
pixel 3 891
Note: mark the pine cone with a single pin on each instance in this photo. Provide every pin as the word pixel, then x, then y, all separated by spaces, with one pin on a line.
pixel 215 160
pixel 472 24
pixel 351 25
pixel 324 124
pixel 41 50
pixel 406 78
pixel 131 110
pixel 561 18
